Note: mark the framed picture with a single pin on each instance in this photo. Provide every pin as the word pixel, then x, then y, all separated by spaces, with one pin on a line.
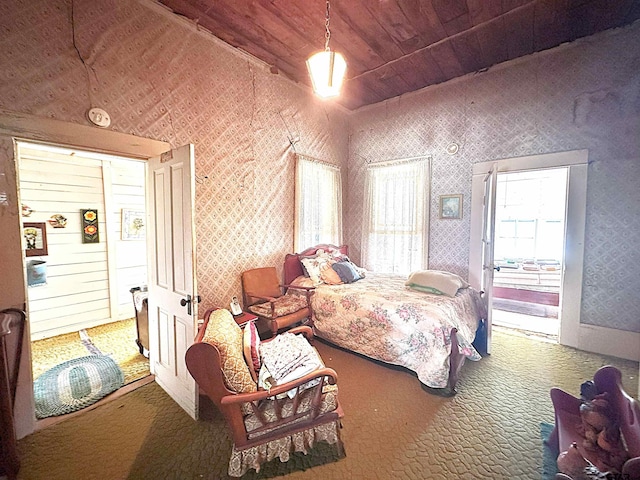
pixel 90 233
pixel 35 236
pixel 133 224
pixel 451 206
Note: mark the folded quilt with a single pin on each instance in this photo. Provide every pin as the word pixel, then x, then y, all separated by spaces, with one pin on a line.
pixel 286 358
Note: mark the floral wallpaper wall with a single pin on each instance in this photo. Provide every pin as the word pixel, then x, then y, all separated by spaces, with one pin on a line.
pixel 159 77
pixel 584 95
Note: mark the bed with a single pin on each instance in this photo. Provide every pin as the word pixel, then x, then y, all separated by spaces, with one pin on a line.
pixel 380 318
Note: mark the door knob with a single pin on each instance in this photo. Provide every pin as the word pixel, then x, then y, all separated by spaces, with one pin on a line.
pixel 186 302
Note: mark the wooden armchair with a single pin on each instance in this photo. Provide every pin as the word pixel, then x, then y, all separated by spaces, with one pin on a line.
pixel 264 296
pixel 263 425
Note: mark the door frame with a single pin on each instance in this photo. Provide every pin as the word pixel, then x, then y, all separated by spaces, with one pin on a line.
pixel 19 126
pixel 619 343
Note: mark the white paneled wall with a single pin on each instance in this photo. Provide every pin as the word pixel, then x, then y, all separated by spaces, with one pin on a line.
pixel 87 284
pixel 128 192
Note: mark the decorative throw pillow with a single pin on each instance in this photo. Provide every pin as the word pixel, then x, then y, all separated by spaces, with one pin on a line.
pixel 251 344
pixel 346 271
pixel 445 282
pixel 225 334
pixel 314 265
pixel 329 276
pixel 309 258
pixel 301 281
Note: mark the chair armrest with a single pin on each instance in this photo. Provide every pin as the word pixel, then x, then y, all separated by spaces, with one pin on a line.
pixel 332 378
pixel 304 330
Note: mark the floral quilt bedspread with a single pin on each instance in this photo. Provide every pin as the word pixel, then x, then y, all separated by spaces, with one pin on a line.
pixel 381 318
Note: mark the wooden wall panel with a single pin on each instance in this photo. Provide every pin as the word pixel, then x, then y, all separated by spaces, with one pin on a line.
pixel 80 279
pixel 128 192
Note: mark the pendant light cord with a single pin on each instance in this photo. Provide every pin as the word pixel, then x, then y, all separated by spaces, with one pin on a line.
pixel 327 34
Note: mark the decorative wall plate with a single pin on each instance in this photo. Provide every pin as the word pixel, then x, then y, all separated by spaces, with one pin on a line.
pixel 58 221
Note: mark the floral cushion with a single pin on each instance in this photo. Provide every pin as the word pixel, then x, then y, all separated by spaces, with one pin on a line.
pixel 283 305
pixel 315 264
pixel 225 334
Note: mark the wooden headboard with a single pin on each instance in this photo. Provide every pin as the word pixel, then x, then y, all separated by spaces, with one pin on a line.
pixel 293 267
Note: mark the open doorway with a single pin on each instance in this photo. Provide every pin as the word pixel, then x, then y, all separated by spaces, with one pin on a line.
pixel 529 245
pixel 87 211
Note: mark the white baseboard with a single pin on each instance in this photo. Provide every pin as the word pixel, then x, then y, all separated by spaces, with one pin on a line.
pixel 609 341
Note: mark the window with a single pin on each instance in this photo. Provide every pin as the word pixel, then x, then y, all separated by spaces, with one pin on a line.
pixel 318 203
pixel 530 215
pixel 396 216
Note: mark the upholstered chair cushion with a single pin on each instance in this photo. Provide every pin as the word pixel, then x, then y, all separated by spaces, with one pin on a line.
pixel 283 305
pixel 225 334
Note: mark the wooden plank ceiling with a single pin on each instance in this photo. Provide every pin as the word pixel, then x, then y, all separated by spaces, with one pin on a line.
pixel 398 46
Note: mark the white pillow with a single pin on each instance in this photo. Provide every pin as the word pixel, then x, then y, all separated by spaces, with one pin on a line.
pixel 436 281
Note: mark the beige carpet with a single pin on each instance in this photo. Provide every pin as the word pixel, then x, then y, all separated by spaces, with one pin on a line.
pixel 116 339
pixel 393 428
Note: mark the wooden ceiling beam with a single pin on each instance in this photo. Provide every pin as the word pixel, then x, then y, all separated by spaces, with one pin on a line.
pixel 468 51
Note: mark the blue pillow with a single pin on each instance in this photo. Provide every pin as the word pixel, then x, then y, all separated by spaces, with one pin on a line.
pixel 346 271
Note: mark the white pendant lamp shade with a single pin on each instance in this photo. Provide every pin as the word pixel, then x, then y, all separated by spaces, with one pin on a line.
pixel 327 71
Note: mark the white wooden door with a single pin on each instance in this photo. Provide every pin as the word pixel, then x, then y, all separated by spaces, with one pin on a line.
pixel 481 265
pixel 172 285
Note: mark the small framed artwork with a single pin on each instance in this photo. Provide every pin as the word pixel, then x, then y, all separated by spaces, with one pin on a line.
pixel 35 236
pixel 133 224
pixel 90 233
pixel 451 206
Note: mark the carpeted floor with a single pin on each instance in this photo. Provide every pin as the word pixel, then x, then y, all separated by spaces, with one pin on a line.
pixel 116 339
pixel 393 428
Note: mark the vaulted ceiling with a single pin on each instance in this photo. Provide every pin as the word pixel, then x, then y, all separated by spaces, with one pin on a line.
pixel 398 46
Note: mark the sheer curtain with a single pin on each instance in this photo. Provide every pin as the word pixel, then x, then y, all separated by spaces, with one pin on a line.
pixel 396 216
pixel 318 203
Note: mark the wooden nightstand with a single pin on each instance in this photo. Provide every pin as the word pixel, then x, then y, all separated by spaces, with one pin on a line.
pixel 245 317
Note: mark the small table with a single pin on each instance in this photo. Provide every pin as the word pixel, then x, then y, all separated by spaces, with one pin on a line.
pixel 245 317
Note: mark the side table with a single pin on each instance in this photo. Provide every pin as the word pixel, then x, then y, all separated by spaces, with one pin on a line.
pixel 245 317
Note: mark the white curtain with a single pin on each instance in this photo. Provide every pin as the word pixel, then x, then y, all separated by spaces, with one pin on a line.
pixel 318 203
pixel 396 216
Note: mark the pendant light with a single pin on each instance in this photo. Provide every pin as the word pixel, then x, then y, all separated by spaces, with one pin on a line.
pixel 327 68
